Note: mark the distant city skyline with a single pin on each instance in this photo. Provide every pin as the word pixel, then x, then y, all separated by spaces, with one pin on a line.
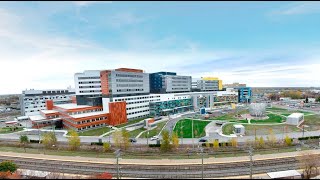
pixel 261 44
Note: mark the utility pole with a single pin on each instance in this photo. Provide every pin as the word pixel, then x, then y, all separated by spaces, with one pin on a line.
pixel 202 161
pixel 117 152
pixel 148 133
pixel 251 162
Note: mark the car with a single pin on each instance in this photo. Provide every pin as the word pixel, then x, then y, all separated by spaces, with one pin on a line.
pixel 203 140
pixel 133 140
pixel 154 138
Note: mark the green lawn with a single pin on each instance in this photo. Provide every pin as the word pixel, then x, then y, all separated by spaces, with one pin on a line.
pixel 155 131
pixel 95 132
pixel 228 129
pixel 272 119
pixel 275 108
pixel 186 125
pixel 6 130
pixel 136 132
pixel 132 122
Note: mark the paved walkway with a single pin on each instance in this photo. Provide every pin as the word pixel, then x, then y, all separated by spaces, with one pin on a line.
pixel 210 160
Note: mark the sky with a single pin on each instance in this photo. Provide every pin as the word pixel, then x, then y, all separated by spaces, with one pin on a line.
pixel 262 44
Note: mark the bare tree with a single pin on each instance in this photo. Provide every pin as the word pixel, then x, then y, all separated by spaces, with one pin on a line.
pixel 309 162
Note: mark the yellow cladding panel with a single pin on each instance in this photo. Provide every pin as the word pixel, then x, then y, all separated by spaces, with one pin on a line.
pixel 220 84
pixel 210 78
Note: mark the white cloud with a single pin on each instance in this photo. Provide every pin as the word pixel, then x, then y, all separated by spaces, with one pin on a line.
pixel 86 3
pixel 299 8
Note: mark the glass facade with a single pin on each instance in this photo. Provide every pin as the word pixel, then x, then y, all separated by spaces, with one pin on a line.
pixel 164 108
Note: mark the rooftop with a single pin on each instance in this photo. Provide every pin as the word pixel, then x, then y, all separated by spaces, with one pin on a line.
pixel 296 115
pixel 71 106
pixel 36 118
pixel 281 174
pixel 238 126
pixel 49 111
pixel 88 114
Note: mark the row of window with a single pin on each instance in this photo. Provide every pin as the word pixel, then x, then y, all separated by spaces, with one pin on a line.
pixel 129 85
pixel 137 102
pixel 136 117
pixel 138 112
pixel 94 77
pixel 178 77
pixel 89 87
pixel 180 88
pixel 53 92
pixel 92 126
pixel 43 98
pixel 188 85
pixel 128 90
pixel 186 82
pixel 91 120
pixel 90 91
pixel 90 82
pixel 137 107
pixel 128 80
pixel 129 75
pixel 87 111
pixel 135 98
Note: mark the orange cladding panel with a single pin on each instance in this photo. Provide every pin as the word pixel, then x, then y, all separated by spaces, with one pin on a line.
pixel 49 104
pixel 104 82
pixel 73 99
pixel 118 113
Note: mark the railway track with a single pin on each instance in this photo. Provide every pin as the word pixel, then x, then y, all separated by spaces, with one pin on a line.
pixel 215 170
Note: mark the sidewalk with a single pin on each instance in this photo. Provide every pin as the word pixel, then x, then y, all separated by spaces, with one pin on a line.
pixel 211 160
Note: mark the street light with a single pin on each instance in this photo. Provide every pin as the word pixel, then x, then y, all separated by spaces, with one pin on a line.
pixel 201 149
pixel 251 162
pixel 117 152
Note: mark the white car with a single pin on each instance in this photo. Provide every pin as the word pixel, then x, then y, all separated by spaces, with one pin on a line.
pixel 154 138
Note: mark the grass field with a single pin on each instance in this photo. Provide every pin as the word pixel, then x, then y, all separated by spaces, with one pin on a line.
pixel 6 130
pixel 261 129
pixel 131 122
pixel 313 122
pixel 95 132
pixel 136 132
pixel 186 125
pixel 155 131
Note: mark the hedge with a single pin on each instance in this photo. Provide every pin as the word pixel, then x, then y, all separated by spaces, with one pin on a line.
pixel 154 145
pixel 97 143
pixel 310 137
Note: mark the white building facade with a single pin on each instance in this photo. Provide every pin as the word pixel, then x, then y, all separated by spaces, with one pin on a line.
pixel 32 101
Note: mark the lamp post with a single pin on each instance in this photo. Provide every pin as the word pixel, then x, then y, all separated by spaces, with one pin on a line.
pixel 148 133
pixel 117 152
pixel 201 149
pixel 192 135
pixel 251 161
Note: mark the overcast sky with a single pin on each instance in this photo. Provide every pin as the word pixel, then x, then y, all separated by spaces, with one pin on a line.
pixel 42 44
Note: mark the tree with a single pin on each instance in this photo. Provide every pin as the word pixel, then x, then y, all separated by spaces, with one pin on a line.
pixel 49 139
pixel 125 138
pixel 216 144
pixel 309 162
pixel 24 140
pixel 106 147
pixel 288 140
pixel 175 140
pixel 165 144
pixel 234 142
pixel 7 168
pixel 271 137
pixel 74 140
pixel 261 141
pixel 117 136
pixel 318 99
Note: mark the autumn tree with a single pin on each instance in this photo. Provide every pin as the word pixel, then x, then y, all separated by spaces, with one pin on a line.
pixel 261 142
pixel 271 138
pixel 234 142
pixel 165 144
pixel 288 140
pixel 216 144
pixel 74 140
pixel 117 136
pixel 104 175
pixel 24 140
pixel 106 147
pixel 175 140
pixel 125 138
pixel 49 139
pixel 309 162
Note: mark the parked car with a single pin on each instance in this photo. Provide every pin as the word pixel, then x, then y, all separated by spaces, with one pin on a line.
pixel 203 140
pixel 133 140
pixel 154 138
